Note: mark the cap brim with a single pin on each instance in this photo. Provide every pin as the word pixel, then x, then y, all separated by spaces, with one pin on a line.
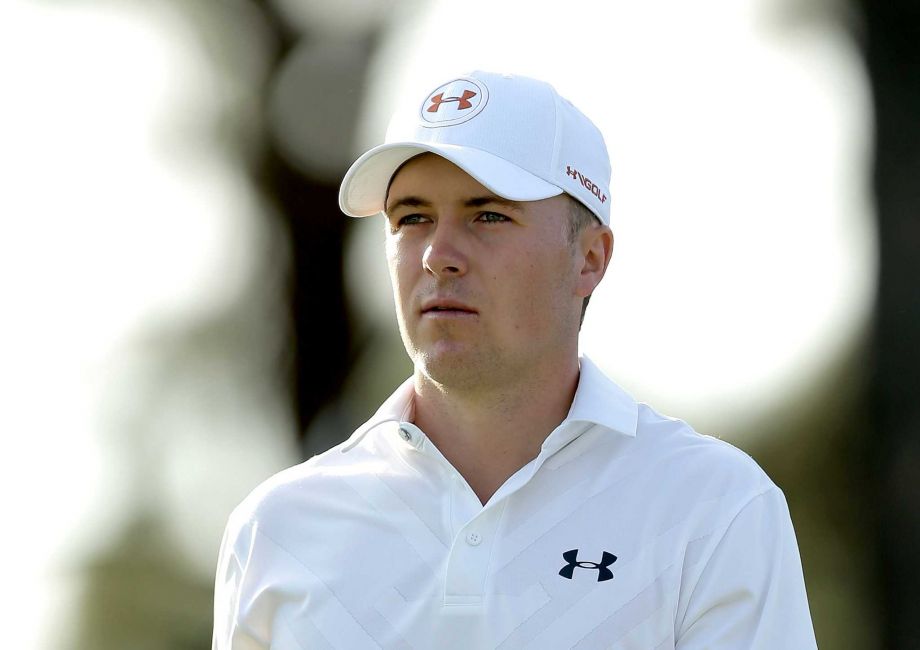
pixel 364 187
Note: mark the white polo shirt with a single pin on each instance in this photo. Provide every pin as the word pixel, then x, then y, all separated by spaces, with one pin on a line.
pixel 628 531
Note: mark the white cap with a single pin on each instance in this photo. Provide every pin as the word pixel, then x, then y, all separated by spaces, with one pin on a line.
pixel 515 135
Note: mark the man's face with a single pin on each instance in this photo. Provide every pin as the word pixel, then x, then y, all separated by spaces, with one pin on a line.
pixel 484 288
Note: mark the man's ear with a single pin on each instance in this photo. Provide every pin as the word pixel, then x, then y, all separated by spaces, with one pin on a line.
pixel 595 249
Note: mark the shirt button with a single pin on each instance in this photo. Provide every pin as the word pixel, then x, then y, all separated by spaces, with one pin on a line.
pixel 405 434
pixel 474 539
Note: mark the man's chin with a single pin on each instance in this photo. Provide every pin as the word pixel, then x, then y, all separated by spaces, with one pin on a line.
pixel 452 366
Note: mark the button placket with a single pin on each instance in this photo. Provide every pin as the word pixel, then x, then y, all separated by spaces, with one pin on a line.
pixel 470 557
pixel 464 504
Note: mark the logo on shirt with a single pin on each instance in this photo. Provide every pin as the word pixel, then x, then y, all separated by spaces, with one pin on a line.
pixel 603 572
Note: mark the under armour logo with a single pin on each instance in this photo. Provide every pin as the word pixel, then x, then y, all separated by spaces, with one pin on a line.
pixel 463 101
pixel 603 573
pixel 586 182
pixel 467 97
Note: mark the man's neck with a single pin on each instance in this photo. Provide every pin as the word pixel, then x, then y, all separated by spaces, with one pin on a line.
pixel 488 435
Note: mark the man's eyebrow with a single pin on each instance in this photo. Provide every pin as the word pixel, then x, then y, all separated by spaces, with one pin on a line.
pixel 407 202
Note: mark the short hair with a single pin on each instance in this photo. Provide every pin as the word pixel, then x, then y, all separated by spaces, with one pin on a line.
pixel 580 217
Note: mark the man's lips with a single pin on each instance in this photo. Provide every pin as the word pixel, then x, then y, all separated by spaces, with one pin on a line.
pixel 446 308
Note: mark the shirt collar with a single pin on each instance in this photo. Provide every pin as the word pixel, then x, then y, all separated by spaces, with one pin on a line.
pixel 398 407
pixel 598 400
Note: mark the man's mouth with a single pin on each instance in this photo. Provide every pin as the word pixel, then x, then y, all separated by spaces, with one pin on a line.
pixel 447 308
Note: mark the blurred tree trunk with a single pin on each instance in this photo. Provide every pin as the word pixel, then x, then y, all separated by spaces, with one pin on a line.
pixel 892 52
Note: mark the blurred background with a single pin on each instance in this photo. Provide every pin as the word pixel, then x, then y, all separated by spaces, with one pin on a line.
pixel 186 311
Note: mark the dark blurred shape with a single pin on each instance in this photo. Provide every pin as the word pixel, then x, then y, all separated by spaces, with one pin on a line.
pixel 319 358
pixel 314 97
pixel 892 51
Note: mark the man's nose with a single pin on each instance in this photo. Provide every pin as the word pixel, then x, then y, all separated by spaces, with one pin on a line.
pixel 444 255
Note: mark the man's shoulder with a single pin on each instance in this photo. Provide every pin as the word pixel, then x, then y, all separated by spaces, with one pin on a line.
pixel 302 487
pixel 660 442
pixel 691 460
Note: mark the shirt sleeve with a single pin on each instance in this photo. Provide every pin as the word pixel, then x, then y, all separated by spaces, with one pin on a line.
pixel 750 593
pixel 259 585
pixel 232 628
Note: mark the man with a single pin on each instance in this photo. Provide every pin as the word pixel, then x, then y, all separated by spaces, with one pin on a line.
pixel 508 495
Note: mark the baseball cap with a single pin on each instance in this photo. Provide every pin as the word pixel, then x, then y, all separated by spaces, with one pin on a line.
pixel 513 134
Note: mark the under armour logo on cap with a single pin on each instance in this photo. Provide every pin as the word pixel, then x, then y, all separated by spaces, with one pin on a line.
pixel 603 573
pixel 586 182
pixel 455 102
pixel 463 102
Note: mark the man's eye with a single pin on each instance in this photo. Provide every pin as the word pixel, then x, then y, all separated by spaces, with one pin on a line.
pixel 492 217
pixel 410 219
